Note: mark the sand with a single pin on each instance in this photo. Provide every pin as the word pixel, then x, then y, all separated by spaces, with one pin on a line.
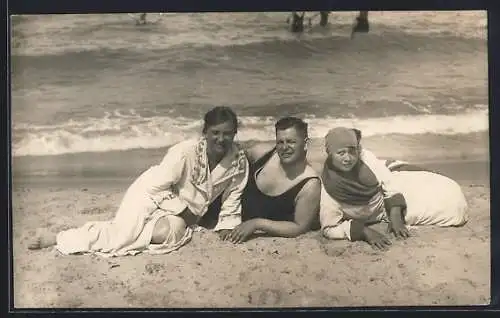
pixel 436 266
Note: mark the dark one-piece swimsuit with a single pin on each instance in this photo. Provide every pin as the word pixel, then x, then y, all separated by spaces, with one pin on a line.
pixel 256 204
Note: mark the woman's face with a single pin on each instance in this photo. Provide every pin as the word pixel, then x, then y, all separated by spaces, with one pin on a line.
pixel 220 138
pixel 344 159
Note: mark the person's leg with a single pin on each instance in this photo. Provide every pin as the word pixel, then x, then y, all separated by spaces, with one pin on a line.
pixel 42 240
pixel 161 231
pixel 361 24
pixel 323 18
pixel 297 23
pixel 122 230
pixel 168 230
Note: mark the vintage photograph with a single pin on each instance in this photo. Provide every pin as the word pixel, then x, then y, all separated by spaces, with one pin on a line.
pixel 250 160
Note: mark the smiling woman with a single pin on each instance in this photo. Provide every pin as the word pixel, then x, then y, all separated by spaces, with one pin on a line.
pixel 159 208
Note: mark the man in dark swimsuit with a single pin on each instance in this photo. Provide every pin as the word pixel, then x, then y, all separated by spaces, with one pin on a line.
pixel 282 196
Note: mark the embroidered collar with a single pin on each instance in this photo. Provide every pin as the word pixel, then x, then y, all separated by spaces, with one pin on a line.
pixel 238 164
pixel 201 173
pixel 200 169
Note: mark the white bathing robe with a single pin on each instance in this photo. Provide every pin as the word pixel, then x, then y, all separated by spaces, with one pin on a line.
pixel 182 180
pixel 431 199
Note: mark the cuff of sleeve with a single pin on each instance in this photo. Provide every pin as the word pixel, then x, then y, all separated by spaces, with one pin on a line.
pixel 356 231
pixel 337 232
pixel 397 200
pixel 228 222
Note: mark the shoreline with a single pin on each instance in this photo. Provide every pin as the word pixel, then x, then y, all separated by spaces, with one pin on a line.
pixel 461 170
pixel 414 149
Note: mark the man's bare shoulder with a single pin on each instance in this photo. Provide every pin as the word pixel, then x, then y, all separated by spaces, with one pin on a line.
pixel 311 189
pixel 312 185
pixel 309 171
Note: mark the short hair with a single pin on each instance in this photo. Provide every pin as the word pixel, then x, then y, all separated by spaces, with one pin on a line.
pixel 289 122
pixel 219 115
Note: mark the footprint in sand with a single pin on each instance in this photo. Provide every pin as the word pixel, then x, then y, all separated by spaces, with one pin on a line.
pixel 95 210
pixel 42 238
pixel 333 251
pixel 154 268
pixel 264 297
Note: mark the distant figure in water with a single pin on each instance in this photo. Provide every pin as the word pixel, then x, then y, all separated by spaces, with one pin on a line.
pixel 359 190
pixel 297 24
pixel 162 205
pixel 361 25
pixel 142 19
pixel 323 18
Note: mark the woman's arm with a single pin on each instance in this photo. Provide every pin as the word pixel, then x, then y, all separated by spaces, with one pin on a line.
pixel 333 224
pixel 392 197
pixel 256 151
pixel 394 200
pixel 230 214
pixel 165 175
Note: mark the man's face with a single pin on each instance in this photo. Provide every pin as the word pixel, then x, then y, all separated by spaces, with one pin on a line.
pixel 290 145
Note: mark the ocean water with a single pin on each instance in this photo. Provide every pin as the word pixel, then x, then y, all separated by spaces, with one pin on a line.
pixel 84 86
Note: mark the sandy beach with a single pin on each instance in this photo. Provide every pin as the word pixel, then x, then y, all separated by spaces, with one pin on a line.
pixel 436 266
pixel 97 99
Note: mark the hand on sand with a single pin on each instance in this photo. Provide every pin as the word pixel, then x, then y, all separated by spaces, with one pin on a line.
pixel 224 234
pixel 396 225
pixel 399 229
pixel 42 241
pixel 375 239
pixel 243 231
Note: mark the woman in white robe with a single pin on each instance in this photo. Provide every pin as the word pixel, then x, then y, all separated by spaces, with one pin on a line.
pixel 359 189
pixel 162 205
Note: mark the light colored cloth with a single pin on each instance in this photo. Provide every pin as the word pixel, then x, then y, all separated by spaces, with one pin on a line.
pixel 97 237
pixel 182 180
pixel 341 137
pixel 431 199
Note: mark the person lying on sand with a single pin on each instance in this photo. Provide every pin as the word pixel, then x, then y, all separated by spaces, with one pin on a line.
pixel 358 189
pixel 283 191
pixel 161 205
